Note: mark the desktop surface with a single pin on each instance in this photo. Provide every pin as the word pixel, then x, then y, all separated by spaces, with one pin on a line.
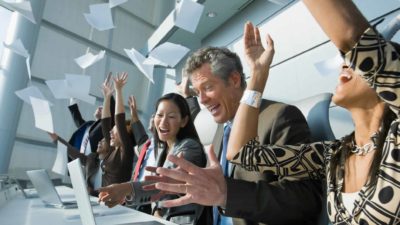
pixel 34 212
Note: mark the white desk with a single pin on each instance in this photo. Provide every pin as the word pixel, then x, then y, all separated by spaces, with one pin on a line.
pixel 21 211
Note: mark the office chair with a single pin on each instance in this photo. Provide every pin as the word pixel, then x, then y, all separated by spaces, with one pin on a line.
pixel 206 127
pixel 316 111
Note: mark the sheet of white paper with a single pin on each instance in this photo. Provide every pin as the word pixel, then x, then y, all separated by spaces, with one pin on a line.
pixel 28 67
pixel 138 60
pixel 329 66
pixel 31 91
pixel 24 8
pixel 18 47
pixel 113 3
pixel 78 85
pixel 169 53
pixel 59 88
pixel 42 114
pixel 188 15
pixel 89 59
pixel 153 61
pixel 60 164
pixel 100 17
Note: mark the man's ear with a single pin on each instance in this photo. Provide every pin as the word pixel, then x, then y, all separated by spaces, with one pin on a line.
pixel 235 79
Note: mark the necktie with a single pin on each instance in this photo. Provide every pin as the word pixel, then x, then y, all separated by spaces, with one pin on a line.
pixel 140 160
pixel 218 219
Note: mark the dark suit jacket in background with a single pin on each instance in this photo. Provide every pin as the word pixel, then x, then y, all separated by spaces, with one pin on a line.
pixel 255 197
pixel 95 132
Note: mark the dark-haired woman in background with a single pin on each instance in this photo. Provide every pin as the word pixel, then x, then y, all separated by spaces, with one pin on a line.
pixel 174 134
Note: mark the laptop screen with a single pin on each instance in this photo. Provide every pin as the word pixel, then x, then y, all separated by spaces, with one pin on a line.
pixel 81 193
pixel 44 186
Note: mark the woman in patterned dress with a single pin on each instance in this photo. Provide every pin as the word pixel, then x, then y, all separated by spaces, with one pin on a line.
pixel 362 170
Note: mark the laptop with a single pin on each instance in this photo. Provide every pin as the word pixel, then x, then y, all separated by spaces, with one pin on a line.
pixel 82 197
pixel 27 193
pixel 46 190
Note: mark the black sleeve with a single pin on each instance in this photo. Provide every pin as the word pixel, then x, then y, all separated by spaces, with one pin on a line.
pixel 283 202
pixel 193 106
pixel 124 136
pixel 73 152
pixel 139 133
pixel 76 115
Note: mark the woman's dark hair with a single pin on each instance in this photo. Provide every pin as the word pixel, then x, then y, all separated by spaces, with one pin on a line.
pixel 188 131
pixel 347 143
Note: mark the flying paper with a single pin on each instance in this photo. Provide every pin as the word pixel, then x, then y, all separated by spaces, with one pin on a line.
pixel 188 15
pixel 89 59
pixel 113 3
pixel 167 54
pixel 24 8
pixel 31 91
pixel 17 47
pixel 138 59
pixel 42 114
pixel 60 164
pixel 100 17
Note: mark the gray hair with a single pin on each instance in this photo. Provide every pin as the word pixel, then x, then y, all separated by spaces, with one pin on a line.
pixel 222 62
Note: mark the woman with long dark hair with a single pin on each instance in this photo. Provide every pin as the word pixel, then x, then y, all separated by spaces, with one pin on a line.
pixel 174 133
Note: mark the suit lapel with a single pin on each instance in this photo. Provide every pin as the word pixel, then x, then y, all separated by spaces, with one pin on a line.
pixel 217 141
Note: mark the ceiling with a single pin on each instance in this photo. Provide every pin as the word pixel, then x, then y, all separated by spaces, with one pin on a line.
pixel 159 9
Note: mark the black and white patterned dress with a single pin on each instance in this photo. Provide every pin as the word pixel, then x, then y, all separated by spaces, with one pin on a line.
pixel 378 203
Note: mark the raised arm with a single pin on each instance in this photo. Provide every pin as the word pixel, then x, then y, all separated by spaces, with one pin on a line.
pixel 76 115
pixel 348 26
pixel 107 91
pixel 139 132
pixel 245 125
pixel 73 152
pixel 119 82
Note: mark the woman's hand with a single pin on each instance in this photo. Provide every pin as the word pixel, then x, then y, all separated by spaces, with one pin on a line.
pixel 258 57
pixel 107 88
pixel 114 194
pixel 133 108
pixel 120 80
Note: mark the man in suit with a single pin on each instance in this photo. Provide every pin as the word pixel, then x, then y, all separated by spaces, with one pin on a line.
pixel 88 133
pixel 217 78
